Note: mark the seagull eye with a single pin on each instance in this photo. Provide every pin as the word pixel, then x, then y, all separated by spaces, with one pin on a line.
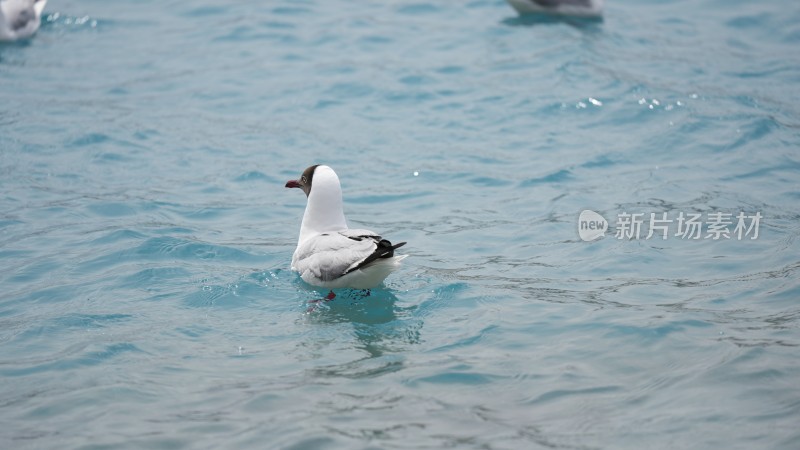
pixel 304 179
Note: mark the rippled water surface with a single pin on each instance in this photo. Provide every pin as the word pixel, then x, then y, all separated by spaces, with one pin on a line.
pixel 146 299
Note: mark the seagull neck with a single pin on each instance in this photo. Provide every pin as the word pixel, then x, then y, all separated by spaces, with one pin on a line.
pixel 324 212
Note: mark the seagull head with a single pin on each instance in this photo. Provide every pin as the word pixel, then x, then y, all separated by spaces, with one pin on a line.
pixel 324 210
pixel 305 180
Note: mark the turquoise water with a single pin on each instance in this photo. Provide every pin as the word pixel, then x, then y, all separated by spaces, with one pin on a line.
pixel 145 234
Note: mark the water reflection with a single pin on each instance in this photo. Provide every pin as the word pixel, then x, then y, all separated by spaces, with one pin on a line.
pixel 529 20
pixel 368 330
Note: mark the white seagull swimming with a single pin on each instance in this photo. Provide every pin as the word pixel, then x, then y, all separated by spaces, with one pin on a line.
pixel 19 19
pixel 329 254
pixel 584 8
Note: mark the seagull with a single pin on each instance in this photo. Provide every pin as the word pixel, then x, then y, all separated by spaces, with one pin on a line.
pixel 329 254
pixel 19 19
pixel 584 8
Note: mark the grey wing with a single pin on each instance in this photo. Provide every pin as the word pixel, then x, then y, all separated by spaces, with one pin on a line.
pixel 382 248
pixel 330 255
pixel 360 234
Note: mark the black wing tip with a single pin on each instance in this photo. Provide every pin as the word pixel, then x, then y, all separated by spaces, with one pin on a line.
pixel 386 249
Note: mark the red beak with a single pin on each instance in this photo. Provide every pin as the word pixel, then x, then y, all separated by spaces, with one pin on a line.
pixel 293 184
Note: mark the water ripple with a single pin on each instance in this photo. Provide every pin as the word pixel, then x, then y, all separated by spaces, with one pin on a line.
pixel 146 236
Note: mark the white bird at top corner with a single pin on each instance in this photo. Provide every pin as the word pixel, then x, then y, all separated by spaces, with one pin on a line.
pixel 328 253
pixel 580 8
pixel 19 19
